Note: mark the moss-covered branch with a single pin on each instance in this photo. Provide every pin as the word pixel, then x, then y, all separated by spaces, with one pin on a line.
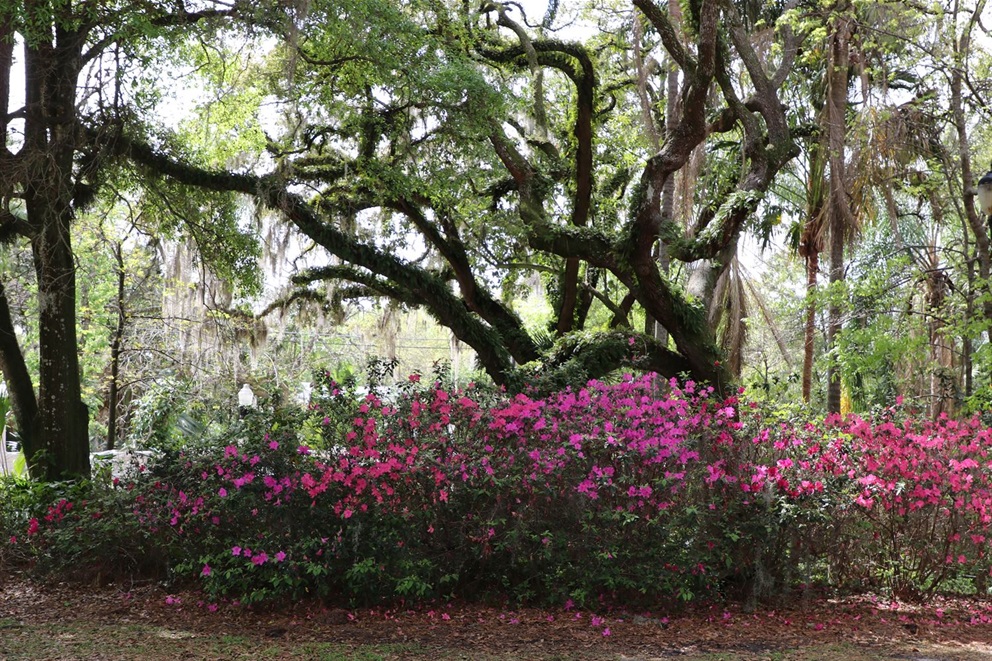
pixel 578 357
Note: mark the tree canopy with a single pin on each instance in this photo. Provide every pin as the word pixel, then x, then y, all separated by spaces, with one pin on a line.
pixel 440 153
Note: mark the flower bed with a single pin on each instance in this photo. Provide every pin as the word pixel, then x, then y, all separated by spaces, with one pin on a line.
pixel 638 491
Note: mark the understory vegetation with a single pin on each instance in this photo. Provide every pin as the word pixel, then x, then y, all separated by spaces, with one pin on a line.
pixel 640 491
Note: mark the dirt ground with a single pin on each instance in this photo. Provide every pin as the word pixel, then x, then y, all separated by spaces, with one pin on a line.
pixel 59 621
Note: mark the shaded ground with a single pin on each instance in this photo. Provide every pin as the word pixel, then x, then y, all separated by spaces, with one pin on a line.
pixel 145 622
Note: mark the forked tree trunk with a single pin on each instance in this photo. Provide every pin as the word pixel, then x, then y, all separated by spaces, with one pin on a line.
pixel 61 446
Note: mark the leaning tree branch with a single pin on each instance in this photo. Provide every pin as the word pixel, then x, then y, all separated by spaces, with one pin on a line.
pixel 476 297
pixel 370 283
pixel 175 19
pixel 281 303
pixel 421 286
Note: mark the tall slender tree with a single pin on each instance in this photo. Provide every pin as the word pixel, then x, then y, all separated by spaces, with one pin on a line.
pixel 840 215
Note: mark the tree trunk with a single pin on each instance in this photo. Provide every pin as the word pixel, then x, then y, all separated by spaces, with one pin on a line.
pixel 116 345
pixel 63 424
pixel 654 328
pixel 812 271
pixel 840 215
pixel 50 141
pixel 15 372
pixel 976 221
pixel 834 323
pixel 582 200
pixel 942 386
pixel 966 345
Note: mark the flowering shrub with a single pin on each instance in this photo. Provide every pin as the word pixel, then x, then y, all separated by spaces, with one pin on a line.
pixel 923 492
pixel 83 530
pixel 637 491
pixel 898 503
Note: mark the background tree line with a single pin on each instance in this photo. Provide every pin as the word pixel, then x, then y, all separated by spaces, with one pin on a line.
pixel 454 158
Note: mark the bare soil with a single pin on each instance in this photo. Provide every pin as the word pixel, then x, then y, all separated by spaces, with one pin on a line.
pixel 69 621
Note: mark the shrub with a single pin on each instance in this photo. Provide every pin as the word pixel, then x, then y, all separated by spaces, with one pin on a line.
pixel 923 494
pixel 638 491
pixel 82 530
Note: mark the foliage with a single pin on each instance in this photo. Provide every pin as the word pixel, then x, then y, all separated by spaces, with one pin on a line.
pixel 164 419
pixel 497 151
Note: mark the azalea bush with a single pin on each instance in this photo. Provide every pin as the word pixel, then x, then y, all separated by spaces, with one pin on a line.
pixel 581 496
pixel 923 494
pixel 637 492
pixel 84 530
pixel 897 503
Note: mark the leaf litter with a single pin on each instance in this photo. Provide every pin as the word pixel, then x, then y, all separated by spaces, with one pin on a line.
pixel 147 621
